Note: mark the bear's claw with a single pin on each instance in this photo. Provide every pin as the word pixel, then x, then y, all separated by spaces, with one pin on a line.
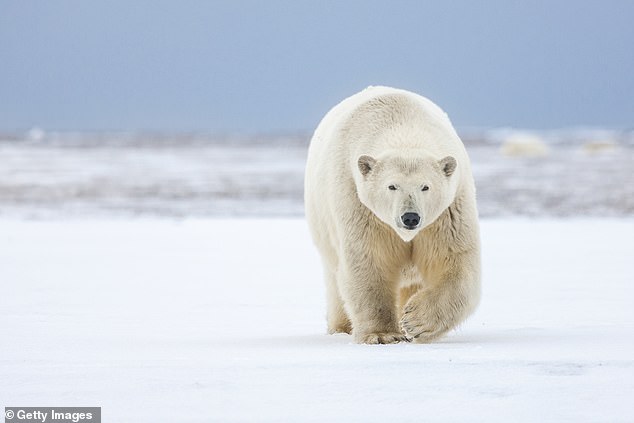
pixel 382 338
pixel 418 328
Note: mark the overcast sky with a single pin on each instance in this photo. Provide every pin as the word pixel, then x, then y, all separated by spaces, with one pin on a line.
pixel 252 66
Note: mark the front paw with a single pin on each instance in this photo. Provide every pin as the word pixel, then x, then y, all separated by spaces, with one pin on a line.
pixel 421 324
pixel 380 338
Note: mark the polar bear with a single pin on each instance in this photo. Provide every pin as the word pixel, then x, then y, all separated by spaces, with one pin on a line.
pixel 390 202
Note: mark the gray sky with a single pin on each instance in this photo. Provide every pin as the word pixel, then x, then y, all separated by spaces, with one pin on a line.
pixel 250 66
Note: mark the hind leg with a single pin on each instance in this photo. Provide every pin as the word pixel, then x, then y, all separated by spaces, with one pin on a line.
pixel 405 293
pixel 411 282
pixel 338 321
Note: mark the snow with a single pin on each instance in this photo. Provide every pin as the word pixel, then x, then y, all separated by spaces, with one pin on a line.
pixel 182 176
pixel 223 320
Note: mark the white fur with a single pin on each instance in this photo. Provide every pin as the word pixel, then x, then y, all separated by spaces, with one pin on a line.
pixel 386 283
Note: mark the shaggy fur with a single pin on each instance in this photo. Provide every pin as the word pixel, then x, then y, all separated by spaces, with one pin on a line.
pixel 376 155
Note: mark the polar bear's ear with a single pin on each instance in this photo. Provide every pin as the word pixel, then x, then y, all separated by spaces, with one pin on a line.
pixel 448 165
pixel 366 164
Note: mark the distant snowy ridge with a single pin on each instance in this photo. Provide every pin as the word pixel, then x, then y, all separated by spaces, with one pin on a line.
pixel 577 172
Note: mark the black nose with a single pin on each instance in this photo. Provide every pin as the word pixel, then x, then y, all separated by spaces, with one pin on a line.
pixel 410 220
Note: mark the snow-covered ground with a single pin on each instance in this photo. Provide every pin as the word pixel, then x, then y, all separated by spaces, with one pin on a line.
pixel 223 320
pixel 123 175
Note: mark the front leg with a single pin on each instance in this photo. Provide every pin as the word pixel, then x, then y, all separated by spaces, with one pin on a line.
pixel 449 297
pixel 369 292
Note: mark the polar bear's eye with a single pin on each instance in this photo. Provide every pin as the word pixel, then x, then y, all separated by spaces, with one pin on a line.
pixel 425 188
pixel 392 188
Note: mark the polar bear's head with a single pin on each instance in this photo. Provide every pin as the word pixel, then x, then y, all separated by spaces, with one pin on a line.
pixel 407 192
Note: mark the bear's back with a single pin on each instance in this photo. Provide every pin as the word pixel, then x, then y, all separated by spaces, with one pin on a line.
pixel 381 118
pixel 355 108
